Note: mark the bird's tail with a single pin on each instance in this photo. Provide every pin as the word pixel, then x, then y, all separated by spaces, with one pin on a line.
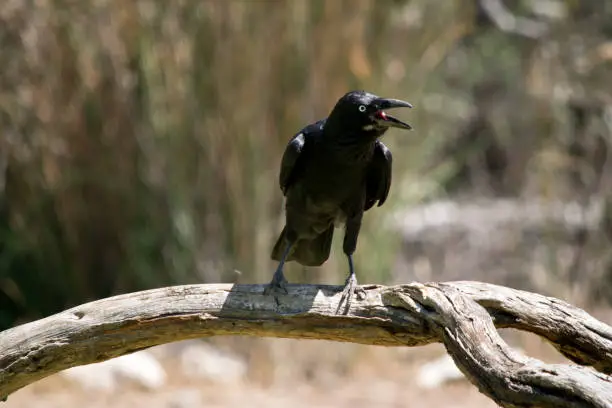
pixel 311 252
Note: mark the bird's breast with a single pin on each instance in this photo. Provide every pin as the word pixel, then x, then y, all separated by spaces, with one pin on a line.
pixel 334 185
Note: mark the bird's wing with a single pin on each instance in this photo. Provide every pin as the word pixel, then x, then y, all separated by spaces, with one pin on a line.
pixel 291 163
pixel 378 177
pixel 290 160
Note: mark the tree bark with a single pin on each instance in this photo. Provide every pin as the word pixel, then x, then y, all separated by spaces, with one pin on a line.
pixel 461 315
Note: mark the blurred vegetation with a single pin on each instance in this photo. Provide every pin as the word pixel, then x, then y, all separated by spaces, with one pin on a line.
pixel 140 140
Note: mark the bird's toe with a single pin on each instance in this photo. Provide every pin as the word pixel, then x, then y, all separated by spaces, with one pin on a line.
pixel 278 285
pixel 276 288
pixel 350 288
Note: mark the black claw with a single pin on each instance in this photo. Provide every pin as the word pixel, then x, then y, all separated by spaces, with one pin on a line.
pixel 278 286
pixel 275 289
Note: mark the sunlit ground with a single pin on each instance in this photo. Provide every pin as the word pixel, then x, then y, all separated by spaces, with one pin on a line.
pixel 377 377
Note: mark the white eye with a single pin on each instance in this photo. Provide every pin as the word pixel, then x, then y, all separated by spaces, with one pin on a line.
pixel 362 108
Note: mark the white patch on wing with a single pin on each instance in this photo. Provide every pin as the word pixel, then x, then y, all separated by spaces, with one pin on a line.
pixel 368 128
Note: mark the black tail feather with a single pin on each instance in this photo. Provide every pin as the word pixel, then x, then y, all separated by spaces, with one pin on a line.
pixel 312 252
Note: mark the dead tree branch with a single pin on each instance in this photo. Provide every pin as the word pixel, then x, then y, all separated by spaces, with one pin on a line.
pixel 461 315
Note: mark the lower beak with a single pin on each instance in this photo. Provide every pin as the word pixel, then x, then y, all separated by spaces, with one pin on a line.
pixel 383 119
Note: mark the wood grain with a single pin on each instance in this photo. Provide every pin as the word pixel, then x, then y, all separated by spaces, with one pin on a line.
pixel 461 315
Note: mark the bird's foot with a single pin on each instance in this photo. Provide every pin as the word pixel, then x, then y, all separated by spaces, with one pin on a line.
pixel 278 285
pixel 350 287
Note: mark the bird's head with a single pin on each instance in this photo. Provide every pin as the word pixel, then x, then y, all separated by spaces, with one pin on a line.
pixel 364 113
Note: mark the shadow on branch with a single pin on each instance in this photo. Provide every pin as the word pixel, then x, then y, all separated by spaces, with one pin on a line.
pixel 461 315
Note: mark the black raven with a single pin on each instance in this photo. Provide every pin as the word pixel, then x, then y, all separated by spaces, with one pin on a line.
pixel 331 172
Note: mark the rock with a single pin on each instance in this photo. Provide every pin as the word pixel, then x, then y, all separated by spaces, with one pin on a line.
pixel 201 360
pixel 186 398
pixel 141 368
pixel 438 372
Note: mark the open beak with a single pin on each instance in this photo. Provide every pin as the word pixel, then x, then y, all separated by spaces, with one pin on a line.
pixel 384 119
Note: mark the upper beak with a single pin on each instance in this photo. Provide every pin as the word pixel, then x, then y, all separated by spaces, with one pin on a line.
pixel 382 118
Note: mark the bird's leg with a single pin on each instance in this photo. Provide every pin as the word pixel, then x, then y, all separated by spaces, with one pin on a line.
pixel 350 244
pixel 350 286
pixel 279 282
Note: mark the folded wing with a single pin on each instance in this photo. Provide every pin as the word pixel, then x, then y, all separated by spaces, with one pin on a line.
pixel 378 177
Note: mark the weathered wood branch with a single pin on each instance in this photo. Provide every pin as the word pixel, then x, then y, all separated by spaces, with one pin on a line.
pixel 461 315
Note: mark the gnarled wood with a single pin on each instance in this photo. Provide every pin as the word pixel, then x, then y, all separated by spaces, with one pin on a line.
pixel 462 315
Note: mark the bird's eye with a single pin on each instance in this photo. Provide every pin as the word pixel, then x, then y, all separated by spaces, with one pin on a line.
pixel 362 108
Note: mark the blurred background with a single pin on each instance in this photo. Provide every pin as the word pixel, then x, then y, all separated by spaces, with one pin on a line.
pixel 140 143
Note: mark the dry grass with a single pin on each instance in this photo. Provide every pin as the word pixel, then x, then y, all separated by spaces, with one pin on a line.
pixel 140 140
